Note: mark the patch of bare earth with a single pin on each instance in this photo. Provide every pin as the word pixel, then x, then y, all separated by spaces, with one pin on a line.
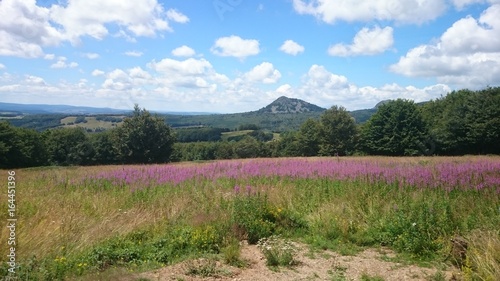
pixel 324 265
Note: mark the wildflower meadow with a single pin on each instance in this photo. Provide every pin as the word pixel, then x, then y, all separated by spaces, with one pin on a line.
pixel 78 221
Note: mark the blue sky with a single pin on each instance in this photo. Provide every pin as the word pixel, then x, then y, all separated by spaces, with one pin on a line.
pixel 239 55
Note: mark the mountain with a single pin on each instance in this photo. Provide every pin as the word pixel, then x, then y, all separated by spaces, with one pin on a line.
pixel 20 109
pixel 289 105
pixel 52 109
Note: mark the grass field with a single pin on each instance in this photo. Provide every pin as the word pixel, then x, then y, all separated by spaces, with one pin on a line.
pixel 76 221
pixel 92 123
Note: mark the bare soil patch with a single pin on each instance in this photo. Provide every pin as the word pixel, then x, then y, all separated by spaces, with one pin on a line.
pixel 324 265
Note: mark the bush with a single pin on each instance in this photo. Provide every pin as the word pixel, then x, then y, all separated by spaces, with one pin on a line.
pixel 252 214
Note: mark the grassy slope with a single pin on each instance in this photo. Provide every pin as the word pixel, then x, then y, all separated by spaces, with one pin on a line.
pixel 77 227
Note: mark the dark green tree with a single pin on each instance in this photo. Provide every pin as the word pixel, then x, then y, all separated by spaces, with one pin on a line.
pixel 248 147
pixel 68 146
pixel 7 135
pixel 21 147
pixel 144 138
pixel 104 152
pixel 287 146
pixel 224 150
pixel 309 137
pixel 465 122
pixel 338 132
pixel 396 129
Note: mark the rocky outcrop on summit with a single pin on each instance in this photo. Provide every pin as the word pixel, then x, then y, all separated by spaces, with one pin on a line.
pixel 290 105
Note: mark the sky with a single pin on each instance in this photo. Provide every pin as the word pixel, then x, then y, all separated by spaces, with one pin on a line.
pixel 228 56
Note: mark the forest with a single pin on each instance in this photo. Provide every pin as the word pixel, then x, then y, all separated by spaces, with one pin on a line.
pixel 463 122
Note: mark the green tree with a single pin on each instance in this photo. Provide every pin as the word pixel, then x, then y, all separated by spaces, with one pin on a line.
pixel 397 128
pixel 224 150
pixel 309 137
pixel 20 147
pixel 68 146
pixel 104 152
pixel 465 122
pixel 248 147
pixel 338 132
pixel 144 138
pixel 289 145
pixel 7 135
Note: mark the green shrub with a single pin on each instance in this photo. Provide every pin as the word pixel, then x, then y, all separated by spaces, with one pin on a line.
pixel 252 214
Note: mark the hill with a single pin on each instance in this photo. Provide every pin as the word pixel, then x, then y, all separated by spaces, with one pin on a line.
pixel 290 105
pixel 56 109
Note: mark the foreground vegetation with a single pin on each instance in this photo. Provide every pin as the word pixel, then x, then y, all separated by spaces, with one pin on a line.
pixel 78 221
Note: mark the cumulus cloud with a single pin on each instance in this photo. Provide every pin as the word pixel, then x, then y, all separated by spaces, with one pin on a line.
pixel 49 56
pixel 263 73
pixel 133 53
pixel 410 11
pixel 35 80
pixel 90 17
pixel 97 72
pixel 324 88
pixel 291 47
pixel 2 66
pixel 366 42
pixel 26 29
pixel 176 16
pixel 61 63
pixel 91 56
pixel 182 85
pixel 460 4
pixel 235 46
pixel 186 67
pixel 466 55
pixel 183 51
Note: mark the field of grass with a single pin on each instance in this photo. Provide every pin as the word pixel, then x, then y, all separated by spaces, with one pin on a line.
pixel 77 221
pixel 226 135
pixel 91 123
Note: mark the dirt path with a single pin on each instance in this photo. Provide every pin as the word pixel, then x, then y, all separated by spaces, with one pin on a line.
pixel 325 265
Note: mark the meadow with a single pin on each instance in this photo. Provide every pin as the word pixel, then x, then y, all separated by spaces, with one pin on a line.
pixel 76 221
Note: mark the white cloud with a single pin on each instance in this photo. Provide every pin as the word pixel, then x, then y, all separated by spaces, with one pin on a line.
pixel 49 56
pixel 235 46
pixel 460 4
pixel 409 11
pixel 91 56
pixel 291 47
pixel 366 42
pixel 91 17
pixel 186 67
pixel 61 63
pixel 35 80
pixel 97 72
pixel 263 73
pixel 177 16
pixel 183 51
pixel 466 55
pixel 133 53
pixel 321 87
pixel 2 66
pixel 25 29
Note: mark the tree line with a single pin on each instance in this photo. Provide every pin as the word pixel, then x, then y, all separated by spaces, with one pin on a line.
pixel 463 122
